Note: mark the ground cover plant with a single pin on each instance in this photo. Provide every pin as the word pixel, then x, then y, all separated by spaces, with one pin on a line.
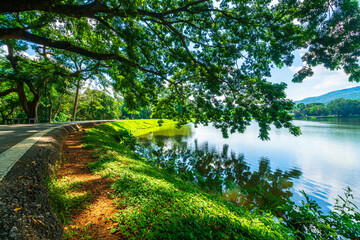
pixel 155 204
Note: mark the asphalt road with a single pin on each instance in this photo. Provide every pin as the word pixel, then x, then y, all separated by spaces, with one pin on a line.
pixel 13 134
pixel 17 139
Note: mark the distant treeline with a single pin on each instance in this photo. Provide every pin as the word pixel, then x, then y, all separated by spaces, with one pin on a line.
pixel 339 107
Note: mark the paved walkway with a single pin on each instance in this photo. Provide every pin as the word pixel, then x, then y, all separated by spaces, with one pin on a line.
pixel 13 134
pixel 16 140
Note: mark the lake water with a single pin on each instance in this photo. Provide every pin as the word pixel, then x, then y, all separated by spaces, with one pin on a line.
pixel 322 161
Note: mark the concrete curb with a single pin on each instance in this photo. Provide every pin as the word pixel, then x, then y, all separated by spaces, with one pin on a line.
pixel 25 211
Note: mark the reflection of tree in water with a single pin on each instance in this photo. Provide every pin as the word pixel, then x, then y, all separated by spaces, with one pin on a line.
pixel 228 174
pixel 163 141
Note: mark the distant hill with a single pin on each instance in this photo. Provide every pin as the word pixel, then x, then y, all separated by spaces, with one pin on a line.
pixel 349 93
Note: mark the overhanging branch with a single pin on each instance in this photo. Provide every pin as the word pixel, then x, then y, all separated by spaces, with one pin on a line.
pixel 18 33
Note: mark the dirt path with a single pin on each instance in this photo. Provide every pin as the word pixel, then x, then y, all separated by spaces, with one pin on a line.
pixel 94 220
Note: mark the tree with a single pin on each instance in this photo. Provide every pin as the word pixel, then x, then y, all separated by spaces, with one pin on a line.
pixel 318 110
pixel 342 107
pixel 29 77
pixel 95 104
pixel 205 60
pixel 81 68
pixel 8 107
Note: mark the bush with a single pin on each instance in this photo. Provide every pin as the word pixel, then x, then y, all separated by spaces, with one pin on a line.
pixel 309 222
pixel 61 117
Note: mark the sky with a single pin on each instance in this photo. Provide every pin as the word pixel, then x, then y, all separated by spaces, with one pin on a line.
pixel 322 82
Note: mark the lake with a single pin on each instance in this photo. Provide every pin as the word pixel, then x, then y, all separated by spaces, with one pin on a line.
pixel 322 161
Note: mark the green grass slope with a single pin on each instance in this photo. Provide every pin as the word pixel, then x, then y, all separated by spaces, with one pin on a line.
pixel 154 204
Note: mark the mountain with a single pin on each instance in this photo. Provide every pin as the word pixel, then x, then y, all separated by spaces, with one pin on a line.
pixel 349 93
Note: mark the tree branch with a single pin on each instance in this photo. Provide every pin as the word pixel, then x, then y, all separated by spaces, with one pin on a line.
pixel 18 33
pixel 185 8
pixel 87 10
pixel 7 92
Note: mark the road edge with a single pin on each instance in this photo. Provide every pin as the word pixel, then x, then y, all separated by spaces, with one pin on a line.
pixel 25 211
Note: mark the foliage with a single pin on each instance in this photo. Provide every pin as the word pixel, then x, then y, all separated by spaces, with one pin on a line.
pixel 203 61
pixel 126 138
pixel 61 117
pixel 9 107
pixel 30 78
pixel 158 204
pixel 96 104
pixel 155 204
pixel 144 113
pixel 339 107
pixel 309 222
pixel 344 107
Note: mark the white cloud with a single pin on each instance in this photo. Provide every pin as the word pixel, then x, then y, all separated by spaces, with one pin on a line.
pixel 322 82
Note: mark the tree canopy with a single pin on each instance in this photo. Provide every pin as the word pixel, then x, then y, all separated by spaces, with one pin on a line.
pixel 203 61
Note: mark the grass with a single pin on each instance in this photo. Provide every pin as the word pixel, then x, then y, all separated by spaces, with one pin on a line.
pixel 65 196
pixel 156 204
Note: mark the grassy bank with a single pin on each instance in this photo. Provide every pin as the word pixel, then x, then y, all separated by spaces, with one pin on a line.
pixel 155 204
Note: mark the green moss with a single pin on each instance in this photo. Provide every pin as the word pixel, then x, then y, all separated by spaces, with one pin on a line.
pixel 155 204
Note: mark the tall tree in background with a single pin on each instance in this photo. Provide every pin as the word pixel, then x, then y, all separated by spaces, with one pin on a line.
pixel 342 107
pixel 28 77
pixel 9 105
pixel 83 69
pixel 95 104
pixel 197 60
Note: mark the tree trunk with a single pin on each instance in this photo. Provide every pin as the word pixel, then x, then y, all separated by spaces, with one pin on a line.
pixel 57 110
pixel 30 108
pixel 51 107
pixel 76 99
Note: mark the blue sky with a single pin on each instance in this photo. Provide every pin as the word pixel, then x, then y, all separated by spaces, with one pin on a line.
pixel 323 80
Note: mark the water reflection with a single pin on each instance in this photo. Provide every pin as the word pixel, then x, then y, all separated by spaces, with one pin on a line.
pixel 222 172
pixel 327 154
pixel 166 136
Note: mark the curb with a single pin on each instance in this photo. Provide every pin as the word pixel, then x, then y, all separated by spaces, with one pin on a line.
pixel 25 211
